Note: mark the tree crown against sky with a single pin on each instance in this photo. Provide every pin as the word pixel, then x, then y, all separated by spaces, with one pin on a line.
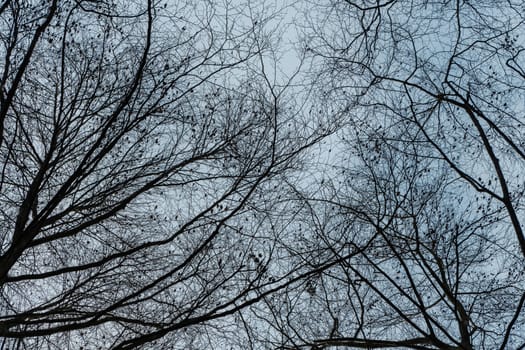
pixel 160 189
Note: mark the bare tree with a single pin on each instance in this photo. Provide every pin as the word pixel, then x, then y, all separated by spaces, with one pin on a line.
pixel 454 70
pixel 420 210
pixel 154 195
pixel 135 147
pixel 404 260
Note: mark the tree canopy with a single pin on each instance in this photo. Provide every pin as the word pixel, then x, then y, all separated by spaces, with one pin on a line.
pixel 167 183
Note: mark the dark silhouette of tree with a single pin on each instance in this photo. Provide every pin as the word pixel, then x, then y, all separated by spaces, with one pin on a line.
pixel 453 70
pixel 419 265
pixel 134 156
pixel 159 188
pixel 421 210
